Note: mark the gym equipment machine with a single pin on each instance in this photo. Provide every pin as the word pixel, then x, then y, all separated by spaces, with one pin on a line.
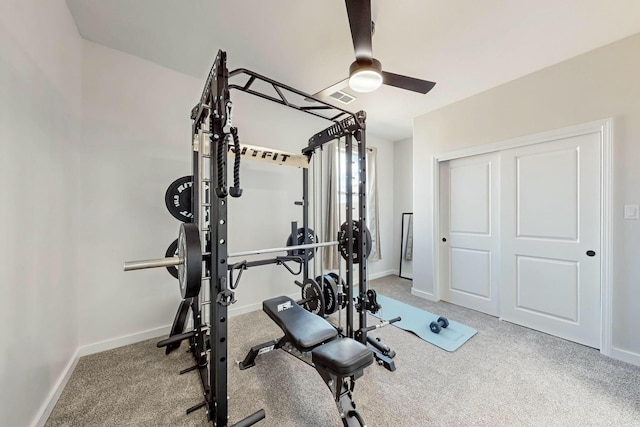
pixel 202 257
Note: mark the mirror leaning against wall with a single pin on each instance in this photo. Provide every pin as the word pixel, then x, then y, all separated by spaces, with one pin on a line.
pixel 406 247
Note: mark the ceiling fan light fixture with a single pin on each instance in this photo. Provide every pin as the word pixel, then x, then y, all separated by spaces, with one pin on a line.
pixel 365 77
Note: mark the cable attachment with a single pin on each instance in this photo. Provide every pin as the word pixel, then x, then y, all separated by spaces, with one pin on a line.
pixel 236 191
pixel 221 186
pixel 241 266
pixel 228 122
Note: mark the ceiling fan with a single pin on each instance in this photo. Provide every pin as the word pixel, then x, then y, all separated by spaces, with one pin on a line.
pixel 365 73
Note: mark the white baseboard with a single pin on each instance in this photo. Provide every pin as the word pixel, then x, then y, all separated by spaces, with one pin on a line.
pixel 243 309
pixel 110 344
pixel 625 356
pixel 50 402
pixel 423 294
pixel 383 274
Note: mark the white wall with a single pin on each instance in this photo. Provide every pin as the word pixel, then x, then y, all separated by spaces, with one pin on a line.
pixel 40 72
pixel 386 190
pixel 135 142
pixel 403 190
pixel 599 84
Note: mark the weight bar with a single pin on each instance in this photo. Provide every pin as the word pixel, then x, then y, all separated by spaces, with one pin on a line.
pixel 283 249
pixel 188 261
pixel 438 325
pixel 189 286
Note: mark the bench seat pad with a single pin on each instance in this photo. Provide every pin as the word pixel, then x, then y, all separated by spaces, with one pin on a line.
pixel 305 329
pixel 342 356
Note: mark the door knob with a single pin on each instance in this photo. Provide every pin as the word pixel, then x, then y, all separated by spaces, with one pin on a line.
pixel 444 239
pixel 590 253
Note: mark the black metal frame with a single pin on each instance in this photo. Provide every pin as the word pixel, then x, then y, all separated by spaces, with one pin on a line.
pixel 215 105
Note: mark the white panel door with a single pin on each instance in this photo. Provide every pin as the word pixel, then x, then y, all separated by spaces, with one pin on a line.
pixel 550 214
pixel 469 228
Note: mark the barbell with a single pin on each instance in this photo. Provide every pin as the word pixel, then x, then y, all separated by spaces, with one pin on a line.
pixel 188 261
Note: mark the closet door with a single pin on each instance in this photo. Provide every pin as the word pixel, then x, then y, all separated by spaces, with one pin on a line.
pixel 550 234
pixel 469 228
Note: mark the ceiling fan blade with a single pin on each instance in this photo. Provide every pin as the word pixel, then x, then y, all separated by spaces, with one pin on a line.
pixel 324 93
pixel 359 12
pixel 408 83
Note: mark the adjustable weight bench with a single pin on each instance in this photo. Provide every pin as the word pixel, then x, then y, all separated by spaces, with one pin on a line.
pixel 339 361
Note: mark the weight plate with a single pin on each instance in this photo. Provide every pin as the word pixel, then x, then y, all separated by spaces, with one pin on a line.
pixel 345 288
pixel 313 296
pixel 178 199
pixel 342 240
pixel 299 240
pixel 172 251
pixel 330 292
pixel 190 254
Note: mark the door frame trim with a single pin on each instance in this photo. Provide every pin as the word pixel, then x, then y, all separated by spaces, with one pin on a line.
pixel 605 128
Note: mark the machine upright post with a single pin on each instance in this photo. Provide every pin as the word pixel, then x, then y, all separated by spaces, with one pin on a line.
pixel 218 406
pixel 362 260
pixel 349 237
pixel 305 220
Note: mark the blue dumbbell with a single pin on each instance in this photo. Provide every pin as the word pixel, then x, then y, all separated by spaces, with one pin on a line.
pixel 438 325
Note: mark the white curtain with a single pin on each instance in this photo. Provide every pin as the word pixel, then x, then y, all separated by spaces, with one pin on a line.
pixel 331 257
pixel 372 204
pixel 336 173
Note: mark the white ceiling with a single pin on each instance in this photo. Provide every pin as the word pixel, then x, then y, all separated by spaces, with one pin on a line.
pixel 466 46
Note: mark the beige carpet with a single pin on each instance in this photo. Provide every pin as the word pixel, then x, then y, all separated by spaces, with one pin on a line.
pixel 506 375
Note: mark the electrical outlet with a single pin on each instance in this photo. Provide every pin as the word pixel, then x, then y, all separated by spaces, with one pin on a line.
pixel 631 212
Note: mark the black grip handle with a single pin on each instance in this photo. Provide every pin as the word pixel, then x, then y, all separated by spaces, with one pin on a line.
pixel 175 339
pixel 251 419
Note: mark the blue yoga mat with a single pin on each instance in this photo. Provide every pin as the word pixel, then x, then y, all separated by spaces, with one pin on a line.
pixel 417 321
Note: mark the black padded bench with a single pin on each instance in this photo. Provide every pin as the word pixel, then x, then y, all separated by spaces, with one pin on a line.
pixel 309 332
pixel 339 361
pixel 304 329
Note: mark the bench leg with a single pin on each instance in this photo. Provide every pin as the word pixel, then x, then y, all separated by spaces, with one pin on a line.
pixel 342 388
pixel 256 350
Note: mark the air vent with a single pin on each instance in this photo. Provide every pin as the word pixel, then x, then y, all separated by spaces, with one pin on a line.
pixel 345 98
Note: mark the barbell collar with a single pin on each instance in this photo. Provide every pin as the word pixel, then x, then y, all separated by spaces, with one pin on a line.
pixel 152 263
